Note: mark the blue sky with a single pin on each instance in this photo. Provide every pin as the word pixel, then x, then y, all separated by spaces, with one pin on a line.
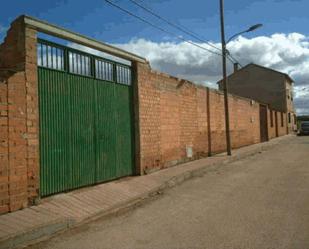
pixel 282 43
pixel 99 20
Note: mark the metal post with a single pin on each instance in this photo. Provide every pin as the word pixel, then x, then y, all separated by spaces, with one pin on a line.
pixel 226 103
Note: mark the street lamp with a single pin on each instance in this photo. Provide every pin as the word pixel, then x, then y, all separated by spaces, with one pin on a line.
pixel 252 28
pixel 224 53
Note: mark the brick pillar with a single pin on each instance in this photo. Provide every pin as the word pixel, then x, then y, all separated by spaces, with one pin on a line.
pixel 137 137
pixel 208 121
pixel 149 119
pixel 18 69
pixel 32 120
pixel 4 162
pixel 17 141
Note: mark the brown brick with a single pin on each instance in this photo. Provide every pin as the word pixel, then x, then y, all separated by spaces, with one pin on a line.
pixel 173 115
pixel 4 209
pixel 19 110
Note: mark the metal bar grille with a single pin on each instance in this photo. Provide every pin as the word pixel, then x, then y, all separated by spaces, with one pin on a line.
pixel 50 56
pixel 123 75
pixel 58 57
pixel 79 64
pixel 104 70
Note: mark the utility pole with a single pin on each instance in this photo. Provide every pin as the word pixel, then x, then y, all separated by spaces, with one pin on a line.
pixel 226 102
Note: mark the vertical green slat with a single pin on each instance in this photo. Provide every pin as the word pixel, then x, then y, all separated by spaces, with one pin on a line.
pixel 114 131
pixel 86 131
pixel 124 129
pixel 105 132
pixel 83 156
pixel 54 131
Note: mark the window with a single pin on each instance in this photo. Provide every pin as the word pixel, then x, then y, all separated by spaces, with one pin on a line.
pixel 281 119
pixel 295 119
pixel 79 63
pixel 58 57
pixel 104 70
pixel 123 75
pixel 271 118
pixel 289 117
pixel 50 56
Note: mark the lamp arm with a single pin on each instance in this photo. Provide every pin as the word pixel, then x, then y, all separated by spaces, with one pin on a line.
pixel 233 36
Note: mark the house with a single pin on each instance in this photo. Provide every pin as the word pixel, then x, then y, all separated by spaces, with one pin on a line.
pixel 265 85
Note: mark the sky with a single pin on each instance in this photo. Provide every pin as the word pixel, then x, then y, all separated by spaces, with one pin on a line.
pixel 282 43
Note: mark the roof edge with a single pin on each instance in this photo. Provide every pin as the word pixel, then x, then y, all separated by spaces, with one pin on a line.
pixel 266 68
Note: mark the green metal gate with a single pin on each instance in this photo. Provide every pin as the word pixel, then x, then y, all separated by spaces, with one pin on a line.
pixel 86 119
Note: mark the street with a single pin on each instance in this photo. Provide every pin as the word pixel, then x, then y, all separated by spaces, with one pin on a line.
pixel 258 202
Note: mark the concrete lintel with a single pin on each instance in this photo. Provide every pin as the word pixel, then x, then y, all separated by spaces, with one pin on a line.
pixel 54 30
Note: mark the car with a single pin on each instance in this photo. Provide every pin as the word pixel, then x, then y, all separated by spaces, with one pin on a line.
pixel 303 128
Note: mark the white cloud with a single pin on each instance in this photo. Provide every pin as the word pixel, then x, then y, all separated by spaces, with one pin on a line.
pixel 288 53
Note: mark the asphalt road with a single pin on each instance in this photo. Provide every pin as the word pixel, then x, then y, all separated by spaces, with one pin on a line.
pixel 259 202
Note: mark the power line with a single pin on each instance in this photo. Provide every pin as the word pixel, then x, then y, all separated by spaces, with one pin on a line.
pixel 235 61
pixel 181 28
pixel 163 30
pixel 159 28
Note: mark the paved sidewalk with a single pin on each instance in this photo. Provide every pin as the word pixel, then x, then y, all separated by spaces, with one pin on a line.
pixel 67 210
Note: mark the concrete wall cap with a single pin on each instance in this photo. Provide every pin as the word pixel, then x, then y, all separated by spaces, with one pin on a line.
pixel 60 32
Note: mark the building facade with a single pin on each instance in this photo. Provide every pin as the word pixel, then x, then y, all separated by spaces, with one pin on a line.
pixel 266 86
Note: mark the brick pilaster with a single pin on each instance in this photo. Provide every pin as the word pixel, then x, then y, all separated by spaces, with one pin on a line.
pixel 19 101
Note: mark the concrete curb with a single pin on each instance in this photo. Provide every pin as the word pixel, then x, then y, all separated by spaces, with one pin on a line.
pixel 48 230
pixel 36 233
pixel 179 179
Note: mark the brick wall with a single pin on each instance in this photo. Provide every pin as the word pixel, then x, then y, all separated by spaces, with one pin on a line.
pixel 32 123
pixel 271 123
pixel 4 194
pixel 280 125
pixel 19 166
pixel 175 114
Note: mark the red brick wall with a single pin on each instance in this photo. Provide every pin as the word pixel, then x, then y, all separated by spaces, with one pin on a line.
pixel 217 122
pixel 149 118
pixel 19 167
pixel 175 114
pixel 271 124
pixel 32 119
pixel 4 193
pixel 245 121
pixel 282 130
